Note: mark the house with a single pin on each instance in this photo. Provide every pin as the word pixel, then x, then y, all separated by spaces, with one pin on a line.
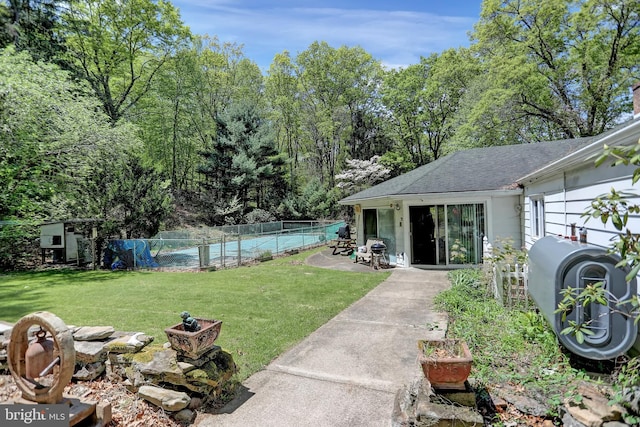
pixel 437 215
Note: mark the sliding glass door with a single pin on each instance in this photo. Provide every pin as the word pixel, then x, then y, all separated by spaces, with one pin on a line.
pixel 447 234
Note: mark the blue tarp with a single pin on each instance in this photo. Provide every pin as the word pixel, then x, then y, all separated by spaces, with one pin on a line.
pixel 128 254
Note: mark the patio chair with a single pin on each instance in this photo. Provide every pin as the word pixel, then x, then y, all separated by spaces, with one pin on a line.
pixel 366 256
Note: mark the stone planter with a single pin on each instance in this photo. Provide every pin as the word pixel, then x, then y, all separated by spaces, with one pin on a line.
pixel 446 363
pixel 194 344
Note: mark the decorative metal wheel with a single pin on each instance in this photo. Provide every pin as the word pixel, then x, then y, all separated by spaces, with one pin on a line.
pixel 60 371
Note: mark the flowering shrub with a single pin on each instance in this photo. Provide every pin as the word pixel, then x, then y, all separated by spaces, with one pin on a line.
pixel 457 252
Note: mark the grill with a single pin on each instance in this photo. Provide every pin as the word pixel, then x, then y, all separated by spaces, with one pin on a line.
pixel 378 248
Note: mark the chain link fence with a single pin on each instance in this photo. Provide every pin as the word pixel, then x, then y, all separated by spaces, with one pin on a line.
pixel 217 247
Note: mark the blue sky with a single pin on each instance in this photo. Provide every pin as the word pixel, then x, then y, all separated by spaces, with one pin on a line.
pixel 394 32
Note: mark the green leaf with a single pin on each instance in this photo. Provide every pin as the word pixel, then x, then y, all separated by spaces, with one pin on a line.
pixel 633 273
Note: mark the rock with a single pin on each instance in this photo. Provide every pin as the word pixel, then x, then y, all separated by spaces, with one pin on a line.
pixel 162 368
pixel 569 421
pixel 196 403
pixel 631 395
pixel 5 328
pixel 168 400
pixel 593 409
pixel 523 403
pixel 437 414
pixel 212 354
pixel 93 333
pixel 186 367
pixel 90 351
pixel 90 371
pixel 465 397
pixel 403 413
pixel 184 416
pixel 415 406
pixel 129 386
pixel 131 343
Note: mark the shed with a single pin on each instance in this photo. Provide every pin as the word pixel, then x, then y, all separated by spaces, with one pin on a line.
pixel 63 239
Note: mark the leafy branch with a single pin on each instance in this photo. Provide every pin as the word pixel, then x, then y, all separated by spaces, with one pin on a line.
pixel 595 293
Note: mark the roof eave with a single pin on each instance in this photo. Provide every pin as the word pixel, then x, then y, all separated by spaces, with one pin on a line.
pixel 621 137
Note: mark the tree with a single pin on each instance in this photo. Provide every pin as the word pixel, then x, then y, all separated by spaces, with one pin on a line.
pixel 401 96
pixel 53 135
pixel 281 88
pixel 119 47
pixel 337 93
pixel 31 25
pixel 243 161
pixel 178 115
pixel 133 198
pixel 424 100
pixel 361 174
pixel 566 65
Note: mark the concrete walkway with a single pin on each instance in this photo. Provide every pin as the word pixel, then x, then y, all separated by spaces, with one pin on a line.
pixel 348 371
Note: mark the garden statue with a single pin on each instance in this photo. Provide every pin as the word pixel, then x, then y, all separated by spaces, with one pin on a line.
pixel 189 323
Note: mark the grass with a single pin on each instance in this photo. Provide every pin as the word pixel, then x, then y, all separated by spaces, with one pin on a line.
pixel 265 309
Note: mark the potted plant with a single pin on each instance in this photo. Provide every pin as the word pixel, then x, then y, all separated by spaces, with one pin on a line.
pixel 196 341
pixel 446 363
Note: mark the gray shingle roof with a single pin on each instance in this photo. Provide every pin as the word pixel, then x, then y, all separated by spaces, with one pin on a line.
pixel 476 169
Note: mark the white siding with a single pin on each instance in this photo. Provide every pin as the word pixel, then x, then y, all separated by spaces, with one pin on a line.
pixel 568 195
pixel 505 220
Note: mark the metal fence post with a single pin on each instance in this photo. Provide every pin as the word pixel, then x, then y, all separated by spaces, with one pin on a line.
pixel 239 249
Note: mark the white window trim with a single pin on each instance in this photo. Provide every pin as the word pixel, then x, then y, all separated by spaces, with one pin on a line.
pixel 537 216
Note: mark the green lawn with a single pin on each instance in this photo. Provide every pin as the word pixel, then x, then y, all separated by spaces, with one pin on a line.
pixel 265 309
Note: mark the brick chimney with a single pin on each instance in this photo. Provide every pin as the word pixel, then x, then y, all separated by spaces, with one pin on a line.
pixel 636 100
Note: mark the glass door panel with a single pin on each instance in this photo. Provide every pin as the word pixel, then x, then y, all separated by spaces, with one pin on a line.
pixel 370 224
pixel 465 229
pixel 386 230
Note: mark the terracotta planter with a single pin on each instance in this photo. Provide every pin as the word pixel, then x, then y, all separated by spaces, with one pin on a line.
pixel 446 363
pixel 194 344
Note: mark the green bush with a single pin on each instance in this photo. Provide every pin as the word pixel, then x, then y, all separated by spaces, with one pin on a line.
pixel 18 246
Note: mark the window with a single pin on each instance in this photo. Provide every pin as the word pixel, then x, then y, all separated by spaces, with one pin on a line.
pixel 537 216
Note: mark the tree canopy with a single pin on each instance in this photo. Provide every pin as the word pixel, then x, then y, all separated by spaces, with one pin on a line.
pixel 112 107
pixel 564 65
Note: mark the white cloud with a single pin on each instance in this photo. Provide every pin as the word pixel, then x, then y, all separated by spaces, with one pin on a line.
pixel 394 37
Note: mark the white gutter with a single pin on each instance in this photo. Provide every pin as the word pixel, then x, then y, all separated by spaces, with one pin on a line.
pixel 624 136
pixel 448 194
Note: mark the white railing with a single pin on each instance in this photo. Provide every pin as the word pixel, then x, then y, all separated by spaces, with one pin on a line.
pixel 509 282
